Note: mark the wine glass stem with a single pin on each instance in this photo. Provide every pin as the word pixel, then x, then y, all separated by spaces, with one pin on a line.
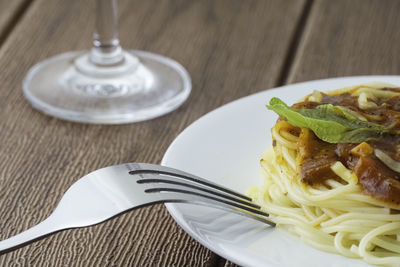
pixel 106 49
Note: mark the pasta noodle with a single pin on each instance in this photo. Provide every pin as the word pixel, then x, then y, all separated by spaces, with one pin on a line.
pixel 336 216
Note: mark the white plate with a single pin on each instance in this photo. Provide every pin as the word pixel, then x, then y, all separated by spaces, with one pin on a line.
pixel 225 146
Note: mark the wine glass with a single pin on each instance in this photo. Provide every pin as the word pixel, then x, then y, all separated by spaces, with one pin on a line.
pixel 107 85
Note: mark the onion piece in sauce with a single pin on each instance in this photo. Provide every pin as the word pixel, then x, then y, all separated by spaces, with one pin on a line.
pixel 387 160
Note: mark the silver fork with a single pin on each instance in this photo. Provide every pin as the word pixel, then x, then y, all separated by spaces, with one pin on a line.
pixel 107 192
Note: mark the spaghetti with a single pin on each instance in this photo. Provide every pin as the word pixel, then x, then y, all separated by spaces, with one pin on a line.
pixel 336 214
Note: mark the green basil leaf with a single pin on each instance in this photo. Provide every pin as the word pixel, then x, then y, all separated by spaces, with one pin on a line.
pixel 330 123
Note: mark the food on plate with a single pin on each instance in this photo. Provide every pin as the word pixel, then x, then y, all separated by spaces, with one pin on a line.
pixel 332 175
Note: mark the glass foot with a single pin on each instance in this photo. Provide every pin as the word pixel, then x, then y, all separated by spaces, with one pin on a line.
pixel 143 86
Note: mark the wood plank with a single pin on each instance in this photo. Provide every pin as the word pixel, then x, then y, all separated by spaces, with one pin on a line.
pixel 342 38
pixel 231 48
pixel 10 12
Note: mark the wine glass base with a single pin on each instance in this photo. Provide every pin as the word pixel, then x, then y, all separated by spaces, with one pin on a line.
pixel 69 87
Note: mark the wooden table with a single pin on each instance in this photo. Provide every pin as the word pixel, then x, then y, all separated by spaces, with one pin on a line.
pixel 231 48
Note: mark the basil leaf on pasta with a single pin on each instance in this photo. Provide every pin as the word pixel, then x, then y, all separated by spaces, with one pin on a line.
pixel 330 123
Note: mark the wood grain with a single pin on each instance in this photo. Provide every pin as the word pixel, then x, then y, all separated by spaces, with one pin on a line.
pixel 231 48
pixel 341 38
pixel 10 12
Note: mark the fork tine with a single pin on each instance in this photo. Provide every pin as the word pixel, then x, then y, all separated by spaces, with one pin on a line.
pixel 175 194
pixel 157 169
pixel 153 178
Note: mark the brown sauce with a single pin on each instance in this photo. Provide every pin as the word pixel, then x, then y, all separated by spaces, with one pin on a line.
pixel 316 156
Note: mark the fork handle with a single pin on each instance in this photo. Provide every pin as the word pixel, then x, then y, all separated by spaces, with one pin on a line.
pixel 30 235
